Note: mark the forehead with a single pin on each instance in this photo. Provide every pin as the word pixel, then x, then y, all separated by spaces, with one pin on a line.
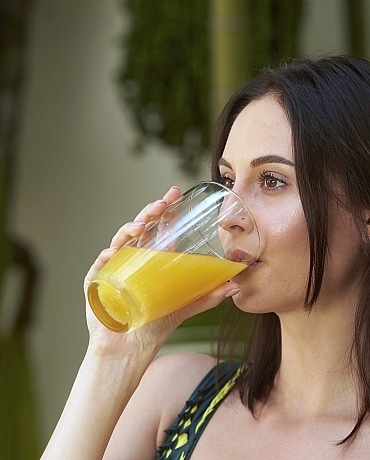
pixel 261 128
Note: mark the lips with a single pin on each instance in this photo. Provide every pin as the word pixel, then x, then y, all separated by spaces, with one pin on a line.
pixel 237 255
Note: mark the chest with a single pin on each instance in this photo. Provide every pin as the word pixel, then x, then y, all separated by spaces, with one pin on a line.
pixel 234 433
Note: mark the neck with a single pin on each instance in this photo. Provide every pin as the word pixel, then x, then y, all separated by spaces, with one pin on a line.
pixel 316 373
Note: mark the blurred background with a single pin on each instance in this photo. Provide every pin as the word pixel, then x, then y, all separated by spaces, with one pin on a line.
pixel 103 106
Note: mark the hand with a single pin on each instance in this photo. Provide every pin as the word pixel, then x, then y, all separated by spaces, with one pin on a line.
pixel 153 335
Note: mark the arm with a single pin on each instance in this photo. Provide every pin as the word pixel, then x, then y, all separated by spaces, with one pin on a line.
pixel 162 393
pixel 112 370
pixel 100 392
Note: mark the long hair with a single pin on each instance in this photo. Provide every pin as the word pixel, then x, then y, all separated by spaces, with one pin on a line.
pixel 327 103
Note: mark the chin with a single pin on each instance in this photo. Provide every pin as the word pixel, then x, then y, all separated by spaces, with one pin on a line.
pixel 244 301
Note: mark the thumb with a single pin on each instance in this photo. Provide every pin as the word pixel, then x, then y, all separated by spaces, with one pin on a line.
pixel 211 300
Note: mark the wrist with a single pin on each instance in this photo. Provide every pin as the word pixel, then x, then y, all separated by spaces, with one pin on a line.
pixel 126 359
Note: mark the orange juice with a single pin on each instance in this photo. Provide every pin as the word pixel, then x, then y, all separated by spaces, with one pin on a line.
pixel 139 285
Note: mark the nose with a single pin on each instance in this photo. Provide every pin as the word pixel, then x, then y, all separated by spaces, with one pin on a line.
pixel 234 216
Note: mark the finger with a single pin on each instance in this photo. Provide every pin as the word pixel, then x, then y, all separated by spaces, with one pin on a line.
pixel 172 195
pixel 100 261
pixel 211 300
pixel 126 233
pixel 151 211
pixel 134 229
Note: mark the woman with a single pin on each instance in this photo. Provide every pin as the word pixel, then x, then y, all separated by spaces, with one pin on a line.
pixel 295 144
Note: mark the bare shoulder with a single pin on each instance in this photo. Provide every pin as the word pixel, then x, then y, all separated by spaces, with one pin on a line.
pixel 186 369
pixel 177 375
pixel 160 396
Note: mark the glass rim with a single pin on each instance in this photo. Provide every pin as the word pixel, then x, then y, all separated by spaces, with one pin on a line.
pixel 229 190
pixel 233 193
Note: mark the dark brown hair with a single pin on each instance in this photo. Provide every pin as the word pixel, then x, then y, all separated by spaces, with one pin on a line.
pixel 327 102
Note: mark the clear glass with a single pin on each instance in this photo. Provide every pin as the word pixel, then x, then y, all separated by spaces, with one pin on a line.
pixel 176 260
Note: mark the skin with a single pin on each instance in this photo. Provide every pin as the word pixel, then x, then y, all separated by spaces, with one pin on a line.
pixel 313 402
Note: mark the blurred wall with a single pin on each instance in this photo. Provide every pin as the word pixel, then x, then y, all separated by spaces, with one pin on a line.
pixel 77 180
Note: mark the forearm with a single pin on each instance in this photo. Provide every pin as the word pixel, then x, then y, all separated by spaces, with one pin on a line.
pixel 100 393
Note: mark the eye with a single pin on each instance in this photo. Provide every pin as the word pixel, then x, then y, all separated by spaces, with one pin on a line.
pixel 227 182
pixel 270 182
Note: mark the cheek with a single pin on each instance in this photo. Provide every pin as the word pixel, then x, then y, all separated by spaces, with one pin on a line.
pixel 283 230
pixel 345 257
pixel 280 282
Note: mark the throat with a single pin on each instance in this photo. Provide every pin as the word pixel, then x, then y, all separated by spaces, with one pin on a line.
pixel 316 372
pixel 311 393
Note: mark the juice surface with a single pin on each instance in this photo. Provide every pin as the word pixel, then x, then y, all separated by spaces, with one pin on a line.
pixel 155 283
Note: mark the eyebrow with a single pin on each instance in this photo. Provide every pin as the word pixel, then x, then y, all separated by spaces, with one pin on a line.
pixel 261 161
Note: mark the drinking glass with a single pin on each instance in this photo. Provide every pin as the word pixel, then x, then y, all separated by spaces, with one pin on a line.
pixel 177 259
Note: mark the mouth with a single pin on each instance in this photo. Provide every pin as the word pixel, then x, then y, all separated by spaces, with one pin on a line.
pixel 237 255
pixel 254 264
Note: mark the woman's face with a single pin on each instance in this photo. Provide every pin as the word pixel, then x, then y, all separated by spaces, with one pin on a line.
pixel 257 163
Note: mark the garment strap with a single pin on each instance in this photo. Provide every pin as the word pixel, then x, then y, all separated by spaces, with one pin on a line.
pixel 184 433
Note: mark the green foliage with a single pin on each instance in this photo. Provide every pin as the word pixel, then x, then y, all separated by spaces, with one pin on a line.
pixel 166 77
pixel 17 411
pixel 273 31
pixel 3 237
pixel 356 20
pixel 17 414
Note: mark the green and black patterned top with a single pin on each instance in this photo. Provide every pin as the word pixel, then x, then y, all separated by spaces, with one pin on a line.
pixel 184 433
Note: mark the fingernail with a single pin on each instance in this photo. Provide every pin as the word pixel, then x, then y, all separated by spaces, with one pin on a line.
pixel 137 224
pixel 232 292
pixel 160 202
